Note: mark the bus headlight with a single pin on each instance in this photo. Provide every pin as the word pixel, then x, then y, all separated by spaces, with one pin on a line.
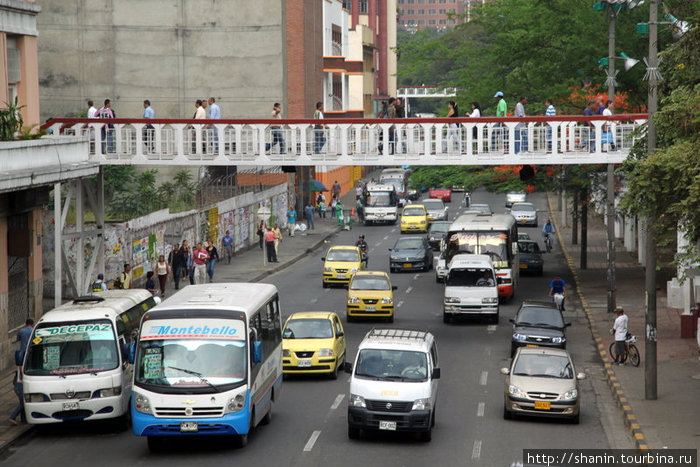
pixel 421 404
pixel 452 300
pixel 489 300
pixel 110 392
pixel 35 397
pixel 356 401
pixel 236 404
pixel 142 404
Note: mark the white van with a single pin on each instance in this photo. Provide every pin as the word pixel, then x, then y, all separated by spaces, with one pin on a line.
pixel 76 367
pixel 394 384
pixel 471 287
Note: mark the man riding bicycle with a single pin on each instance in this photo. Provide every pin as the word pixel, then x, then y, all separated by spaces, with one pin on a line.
pixel 547 231
pixel 362 245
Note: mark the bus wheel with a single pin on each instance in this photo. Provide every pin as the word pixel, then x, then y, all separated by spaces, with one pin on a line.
pixel 242 441
pixel 268 416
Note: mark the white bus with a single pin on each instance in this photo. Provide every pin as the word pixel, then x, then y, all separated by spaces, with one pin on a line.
pixel 495 235
pixel 76 366
pixel 398 178
pixel 381 204
pixel 208 362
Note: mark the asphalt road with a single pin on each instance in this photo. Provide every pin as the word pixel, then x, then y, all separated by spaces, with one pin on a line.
pixel 309 424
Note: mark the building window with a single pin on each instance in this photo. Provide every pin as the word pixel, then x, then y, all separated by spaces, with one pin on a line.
pixel 442 21
pixel 362 5
pixel 347 4
pixel 421 11
pixel 431 11
pixel 410 12
pixel 432 21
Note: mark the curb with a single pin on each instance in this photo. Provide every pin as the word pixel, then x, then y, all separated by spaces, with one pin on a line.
pixel 16 433
pixel 615 387
pixel 286 264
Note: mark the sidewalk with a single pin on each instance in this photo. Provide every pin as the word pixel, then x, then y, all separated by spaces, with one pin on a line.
pixel 673 419
pixel 246 266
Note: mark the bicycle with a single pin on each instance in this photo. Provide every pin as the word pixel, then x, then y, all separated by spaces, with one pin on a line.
pixel 630 351
pixel 548 242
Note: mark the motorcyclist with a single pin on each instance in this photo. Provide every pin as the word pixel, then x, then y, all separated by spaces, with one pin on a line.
pixel 362 245
pixel 558 286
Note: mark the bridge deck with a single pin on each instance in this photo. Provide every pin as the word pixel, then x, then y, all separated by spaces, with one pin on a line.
pixel 414 141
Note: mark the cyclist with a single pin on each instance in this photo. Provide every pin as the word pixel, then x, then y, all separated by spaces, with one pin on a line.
pixel 547 231
pixel 362 245
pixel 558 286
pixel 620 331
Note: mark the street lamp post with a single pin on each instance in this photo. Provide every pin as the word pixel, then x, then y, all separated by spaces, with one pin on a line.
pixel 610 211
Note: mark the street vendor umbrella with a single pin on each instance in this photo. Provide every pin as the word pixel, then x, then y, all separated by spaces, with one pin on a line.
pixel 316 186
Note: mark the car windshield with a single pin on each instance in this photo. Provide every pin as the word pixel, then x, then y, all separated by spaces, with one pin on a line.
pixel 343 256
pixel 414 212
pixel 545 366
pixel 363 282
pixel 540 317
pixel 69 348
pixel 439 228
pixel 380 199
pixel 522 207
pixel 433 205
pixel 392 365
pixel 528 247
pixel 493 244
pixel 307 328
pixel 470 277
pixel 408 244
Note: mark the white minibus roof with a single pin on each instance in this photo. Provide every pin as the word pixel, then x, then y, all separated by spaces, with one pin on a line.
pixel 109 303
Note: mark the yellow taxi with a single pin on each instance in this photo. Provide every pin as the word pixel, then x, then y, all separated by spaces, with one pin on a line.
pixel 313 342
pixel 414 218
pixel 371 295
pixel 340 263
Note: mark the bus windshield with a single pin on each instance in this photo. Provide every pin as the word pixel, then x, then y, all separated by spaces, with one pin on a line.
pixel 381 199
pixel 396 183
pixel 191 355
pixel 70 348
pixel 494 244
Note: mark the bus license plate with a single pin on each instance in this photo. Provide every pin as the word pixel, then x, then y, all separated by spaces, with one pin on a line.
pixel 543 405
pixel 304 363
pixel 385 425
pixel 71 405
pixel 188 427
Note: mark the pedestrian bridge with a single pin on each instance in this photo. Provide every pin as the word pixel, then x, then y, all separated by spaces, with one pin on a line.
pixel 377 142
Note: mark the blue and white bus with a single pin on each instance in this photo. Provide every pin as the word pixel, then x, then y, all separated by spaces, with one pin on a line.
pixel 208 362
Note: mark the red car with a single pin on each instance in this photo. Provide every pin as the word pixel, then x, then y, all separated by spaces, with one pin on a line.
pixel 444 194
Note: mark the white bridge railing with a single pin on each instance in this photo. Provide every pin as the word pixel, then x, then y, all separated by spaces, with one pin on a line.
pixel 430 141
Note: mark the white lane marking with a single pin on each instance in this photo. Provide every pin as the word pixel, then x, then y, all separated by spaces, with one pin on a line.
pixel 313 300
pixel 398 305
pixel 393 230
pixel 476 450
pixel 386 237
pixel 326 290
pixel 484 378
pixel 337 401
pixel 480 409
pixel 416 277
pixel 491 328
pixel 409 289
pixel 487 351
pixel 310 443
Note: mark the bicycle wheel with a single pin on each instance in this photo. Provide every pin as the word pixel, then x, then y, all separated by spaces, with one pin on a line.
pixel 634 355
pixel 613 355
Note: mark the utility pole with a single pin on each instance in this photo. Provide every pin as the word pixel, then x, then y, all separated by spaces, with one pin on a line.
pixel 650 368
pixel 610 211
pixel 584 228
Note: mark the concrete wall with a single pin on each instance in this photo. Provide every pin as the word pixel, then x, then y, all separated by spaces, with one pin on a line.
pixel 169 51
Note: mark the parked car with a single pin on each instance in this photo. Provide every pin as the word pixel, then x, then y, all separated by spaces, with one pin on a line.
pixel 478 208
pixel 513 197
pixel 525 214
pixel 437 211
pixel 410 253
pixel 538 324
pixel 444 194
pixel 542 383
pixel 530 257
pixel 313 342
pixel 436 233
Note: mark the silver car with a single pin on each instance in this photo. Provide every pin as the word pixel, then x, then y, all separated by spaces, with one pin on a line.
pixel 542 382
pixel 437 211
pixel 524 213
pixel 513 197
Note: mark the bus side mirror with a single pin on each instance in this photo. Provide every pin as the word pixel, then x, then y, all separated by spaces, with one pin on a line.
pixel 257 352
pixel 131 351
pixel 436 373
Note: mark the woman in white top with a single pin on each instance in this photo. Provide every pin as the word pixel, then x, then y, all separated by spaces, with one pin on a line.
pixel 609 128
pixel 162 269
pixel 476 113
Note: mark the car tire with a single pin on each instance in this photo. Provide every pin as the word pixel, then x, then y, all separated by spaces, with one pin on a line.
pixel 353 433
pixel 334 374
pixel 242 441
pixel 437 280
pixel 576 419
pixel 390 319
pixel 156 444
pixel 513 348
pixel 325 284
pixel 446 318
pixel 426 436
pixel 507 414
pixel 495 319
pixel 349 318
